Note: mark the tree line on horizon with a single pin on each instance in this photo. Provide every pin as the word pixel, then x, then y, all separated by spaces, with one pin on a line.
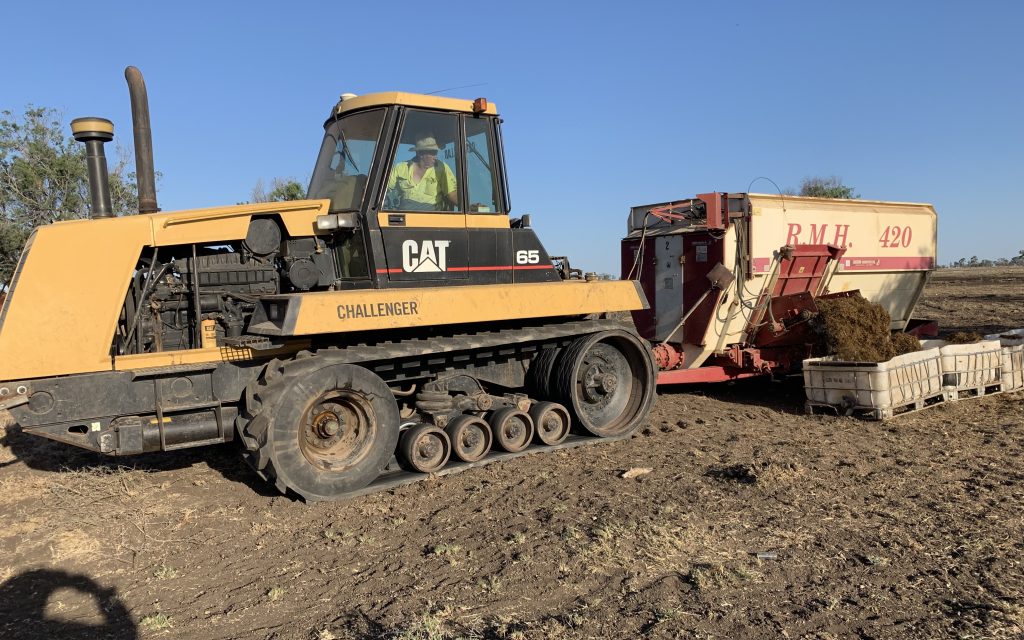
pixel 974 261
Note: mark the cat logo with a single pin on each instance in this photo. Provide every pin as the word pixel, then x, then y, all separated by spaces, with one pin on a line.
pixel 430 256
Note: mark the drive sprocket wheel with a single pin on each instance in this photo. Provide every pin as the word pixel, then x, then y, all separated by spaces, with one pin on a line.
pixel 607 381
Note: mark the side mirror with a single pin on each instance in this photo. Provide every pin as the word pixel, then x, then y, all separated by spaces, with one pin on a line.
pixel 521 223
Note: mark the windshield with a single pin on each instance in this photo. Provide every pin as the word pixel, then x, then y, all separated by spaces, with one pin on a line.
pixel 345 158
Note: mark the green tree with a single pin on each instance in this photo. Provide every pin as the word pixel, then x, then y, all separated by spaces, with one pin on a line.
pixel 281 190
pixel 43 178
pixel 831 187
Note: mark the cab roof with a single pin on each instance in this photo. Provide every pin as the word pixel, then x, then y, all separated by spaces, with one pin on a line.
pixel 408 100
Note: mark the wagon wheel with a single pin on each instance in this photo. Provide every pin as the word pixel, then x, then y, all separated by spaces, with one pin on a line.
pixel 607 382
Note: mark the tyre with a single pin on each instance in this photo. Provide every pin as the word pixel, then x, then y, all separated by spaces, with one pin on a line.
pixel 539 375
pixel 607 381
pixel 321 432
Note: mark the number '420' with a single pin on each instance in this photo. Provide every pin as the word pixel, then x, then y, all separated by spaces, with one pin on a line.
pixel 896 236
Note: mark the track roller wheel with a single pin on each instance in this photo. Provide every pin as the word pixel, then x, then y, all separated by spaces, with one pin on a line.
pixel 470 437
pixel 424 448
pixel 512 429
pixel 322 431
pixel 551 421
pixel 607 382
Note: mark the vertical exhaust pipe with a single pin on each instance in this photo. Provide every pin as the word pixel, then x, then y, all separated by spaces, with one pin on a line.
pixel 144 172
pixel 95 132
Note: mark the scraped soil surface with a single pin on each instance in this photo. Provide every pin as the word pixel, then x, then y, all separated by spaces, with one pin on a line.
pixel 755 520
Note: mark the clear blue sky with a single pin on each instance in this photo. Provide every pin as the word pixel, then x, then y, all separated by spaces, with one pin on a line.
pixel 605 105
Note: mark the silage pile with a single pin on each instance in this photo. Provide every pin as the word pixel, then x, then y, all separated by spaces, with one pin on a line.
pixel 854 329
pixel 962 337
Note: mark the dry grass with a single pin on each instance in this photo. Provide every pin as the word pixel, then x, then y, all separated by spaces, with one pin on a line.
pixel 709 576
pixel 104 510
pixel 275 593
pixel 156 622
pixel 435 624
pixel 76 543
pixel 647 547
pixel 451 553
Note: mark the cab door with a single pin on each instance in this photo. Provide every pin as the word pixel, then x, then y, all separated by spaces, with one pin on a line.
pixel 422 217
pixel 490 239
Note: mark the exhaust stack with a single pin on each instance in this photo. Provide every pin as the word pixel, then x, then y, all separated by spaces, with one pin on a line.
pixel 144 172
pixel 95 132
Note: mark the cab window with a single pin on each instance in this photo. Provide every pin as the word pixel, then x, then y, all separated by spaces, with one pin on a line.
pixel 345 159
pixel 424 174
pixel 479 167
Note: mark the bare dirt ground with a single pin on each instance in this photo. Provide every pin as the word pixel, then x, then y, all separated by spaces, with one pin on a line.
pixel 755 521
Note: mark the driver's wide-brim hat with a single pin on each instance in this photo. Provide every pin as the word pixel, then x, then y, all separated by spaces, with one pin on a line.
pixel 426 144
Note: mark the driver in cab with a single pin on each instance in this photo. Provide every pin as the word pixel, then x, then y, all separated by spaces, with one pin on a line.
pixel 423 183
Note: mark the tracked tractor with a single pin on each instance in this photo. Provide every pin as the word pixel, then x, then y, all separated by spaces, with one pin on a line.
pixel 399 322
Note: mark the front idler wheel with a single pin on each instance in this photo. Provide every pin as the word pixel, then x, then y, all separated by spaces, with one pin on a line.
pixel 512 429
pixel 551 420
pixel 424 448
pixel 321 432
pixel 470 437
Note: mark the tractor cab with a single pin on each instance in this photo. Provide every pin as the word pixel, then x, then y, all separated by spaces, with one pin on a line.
pixel 419 196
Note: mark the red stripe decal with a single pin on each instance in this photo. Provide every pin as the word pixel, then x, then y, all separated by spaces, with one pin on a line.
pixel 869 263
pixel 491 268
pixel 887 263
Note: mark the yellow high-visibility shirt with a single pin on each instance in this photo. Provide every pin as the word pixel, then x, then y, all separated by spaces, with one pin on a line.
pixel 423 195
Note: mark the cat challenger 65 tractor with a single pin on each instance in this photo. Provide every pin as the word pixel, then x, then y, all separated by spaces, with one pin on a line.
pixel 396 323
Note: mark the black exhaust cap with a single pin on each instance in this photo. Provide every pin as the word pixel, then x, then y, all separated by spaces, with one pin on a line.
pixel 95 132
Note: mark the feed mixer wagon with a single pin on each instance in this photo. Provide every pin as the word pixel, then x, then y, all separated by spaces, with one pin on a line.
pixel 732 277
